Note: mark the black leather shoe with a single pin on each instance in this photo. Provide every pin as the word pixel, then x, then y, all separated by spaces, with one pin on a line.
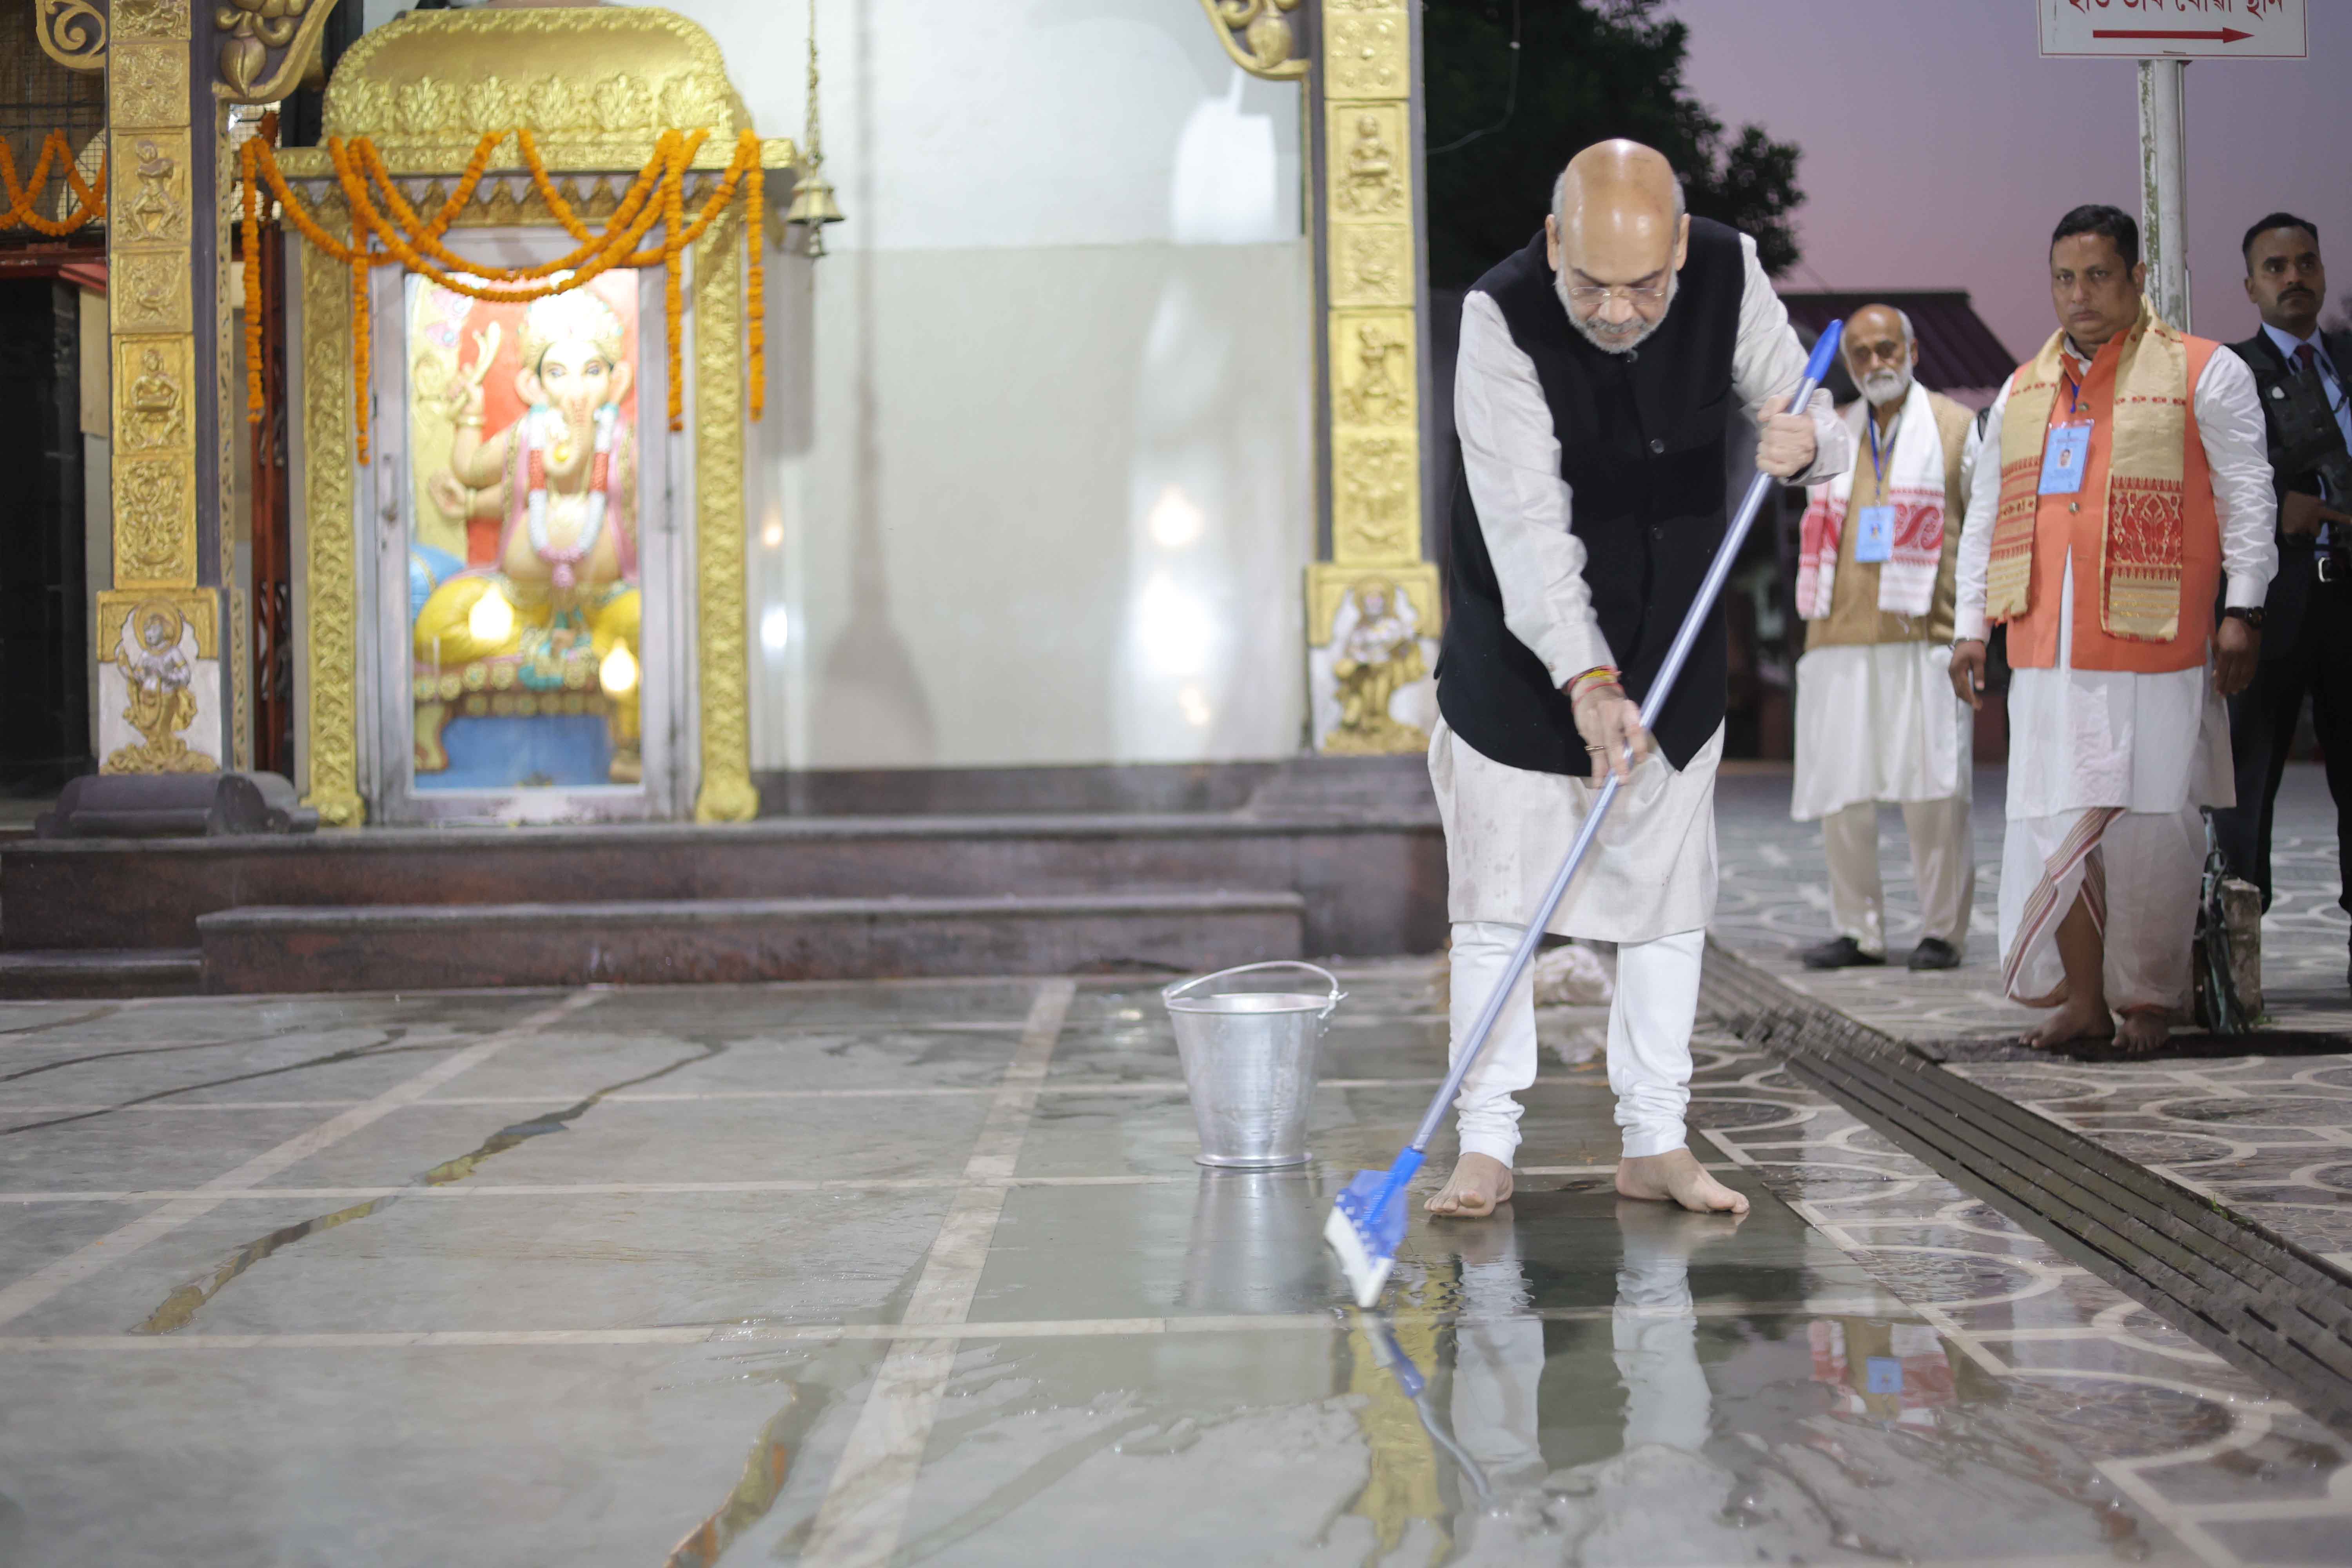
pixel 1935 953
pixel 1843 953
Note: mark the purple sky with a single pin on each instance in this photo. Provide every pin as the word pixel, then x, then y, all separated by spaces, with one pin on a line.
pixel 1940 148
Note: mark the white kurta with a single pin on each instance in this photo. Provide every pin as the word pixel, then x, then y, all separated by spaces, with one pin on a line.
pixel 2143 752
pixel 1650 873
pixel 1501 822
pixel 1877 722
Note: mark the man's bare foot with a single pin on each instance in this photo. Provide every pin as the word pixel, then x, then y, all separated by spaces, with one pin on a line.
pixel 2072 1021
pixel 2142 1030
pixel 1479 1183
pixel 1675 1176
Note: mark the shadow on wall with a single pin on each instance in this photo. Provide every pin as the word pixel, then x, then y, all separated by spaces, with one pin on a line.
pixel 867 684
pixel 1054 499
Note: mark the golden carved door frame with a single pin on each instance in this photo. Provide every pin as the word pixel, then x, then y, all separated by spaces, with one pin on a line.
pixel 596 87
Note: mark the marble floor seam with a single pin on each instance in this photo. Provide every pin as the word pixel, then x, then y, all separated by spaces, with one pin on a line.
pixel 862 1513
pixel 24 1295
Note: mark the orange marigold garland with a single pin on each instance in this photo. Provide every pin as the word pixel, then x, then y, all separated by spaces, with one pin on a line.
pixel 673 220
pixel 657 194
pixel 755 205
pixel 370 221
pixel 254 401
pixel 546 188
pixel 24 199
pixel 623 228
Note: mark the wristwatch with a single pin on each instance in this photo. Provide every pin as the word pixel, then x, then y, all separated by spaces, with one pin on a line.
pixel 2250 614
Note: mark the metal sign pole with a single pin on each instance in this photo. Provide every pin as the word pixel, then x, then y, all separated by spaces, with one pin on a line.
pixel 2164 187
pixel 2163 39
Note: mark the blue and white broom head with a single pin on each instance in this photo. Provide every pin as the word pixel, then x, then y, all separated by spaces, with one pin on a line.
pixel 1367 1227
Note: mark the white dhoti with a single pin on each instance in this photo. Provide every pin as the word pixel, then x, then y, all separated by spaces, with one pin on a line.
pixel 1878 723
pixel 1648 885
pixel 2108 773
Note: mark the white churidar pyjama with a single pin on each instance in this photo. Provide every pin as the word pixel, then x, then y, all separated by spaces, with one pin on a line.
pixel 1647 884
pixel 1649 1038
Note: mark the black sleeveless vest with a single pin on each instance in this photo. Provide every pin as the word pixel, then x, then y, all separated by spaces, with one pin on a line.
pixel 1642 448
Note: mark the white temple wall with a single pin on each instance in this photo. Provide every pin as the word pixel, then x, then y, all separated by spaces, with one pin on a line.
pixel 1035 485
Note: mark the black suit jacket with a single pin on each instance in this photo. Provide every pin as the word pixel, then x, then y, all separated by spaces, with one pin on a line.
pixel 2291 589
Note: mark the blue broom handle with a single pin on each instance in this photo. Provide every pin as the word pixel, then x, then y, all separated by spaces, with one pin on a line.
pixel 1685 638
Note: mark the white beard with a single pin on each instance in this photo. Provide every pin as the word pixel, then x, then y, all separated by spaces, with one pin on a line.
pixel 1616 344
pixel 1885 388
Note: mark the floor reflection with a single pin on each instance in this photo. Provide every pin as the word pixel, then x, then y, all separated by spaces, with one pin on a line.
pixel 1502 1426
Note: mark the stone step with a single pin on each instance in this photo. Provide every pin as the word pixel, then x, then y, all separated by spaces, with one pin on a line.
pixel 103 972
pixel 1373 881
pixel 691 940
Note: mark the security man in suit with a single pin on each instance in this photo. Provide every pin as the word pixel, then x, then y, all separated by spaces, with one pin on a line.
pixel 2304 378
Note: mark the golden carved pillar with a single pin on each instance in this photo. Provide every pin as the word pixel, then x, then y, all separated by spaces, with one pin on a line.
pixel 161 670
pixel 1373 605
pixel 726 792
pixel 1374 610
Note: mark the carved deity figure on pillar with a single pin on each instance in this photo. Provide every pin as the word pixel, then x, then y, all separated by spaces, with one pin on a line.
pixel 1371 187
pixel 156 652
pixel 1376 653
pixel 541 620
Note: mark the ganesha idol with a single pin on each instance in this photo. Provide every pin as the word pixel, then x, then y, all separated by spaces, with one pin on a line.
pixel 548 623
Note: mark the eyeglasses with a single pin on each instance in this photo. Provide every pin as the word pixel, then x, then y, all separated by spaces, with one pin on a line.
pixel 1894 351
pixel 1593 294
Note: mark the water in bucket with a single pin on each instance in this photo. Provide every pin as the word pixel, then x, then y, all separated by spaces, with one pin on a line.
pixel 1249 1058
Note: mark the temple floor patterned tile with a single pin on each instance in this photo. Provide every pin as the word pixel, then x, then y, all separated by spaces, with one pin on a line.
pixel 2267 1135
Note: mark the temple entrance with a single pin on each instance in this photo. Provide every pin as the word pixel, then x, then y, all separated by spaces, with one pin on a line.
pixel 526 585
pixel 45 713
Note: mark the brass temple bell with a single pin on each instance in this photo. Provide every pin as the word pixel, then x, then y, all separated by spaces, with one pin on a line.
pixel 813 204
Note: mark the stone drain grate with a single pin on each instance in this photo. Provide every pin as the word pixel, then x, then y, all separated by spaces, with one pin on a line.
pixel 2226 1281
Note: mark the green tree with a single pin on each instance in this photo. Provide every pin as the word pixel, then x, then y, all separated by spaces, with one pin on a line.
pixel 1587 70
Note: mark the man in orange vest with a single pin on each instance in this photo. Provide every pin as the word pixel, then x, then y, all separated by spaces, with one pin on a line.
pixel 2134 497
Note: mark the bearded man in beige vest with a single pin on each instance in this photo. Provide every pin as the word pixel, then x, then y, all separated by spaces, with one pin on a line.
pixel 2127 492
pixel 1876 720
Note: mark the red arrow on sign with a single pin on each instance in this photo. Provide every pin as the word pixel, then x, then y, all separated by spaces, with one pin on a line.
pixel 2220 35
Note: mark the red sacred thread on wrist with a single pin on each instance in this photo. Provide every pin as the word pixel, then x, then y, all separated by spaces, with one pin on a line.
pixel 1599 675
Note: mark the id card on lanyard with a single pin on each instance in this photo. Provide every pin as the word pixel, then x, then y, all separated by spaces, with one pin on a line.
pixel 2067 450
pixel 2062 458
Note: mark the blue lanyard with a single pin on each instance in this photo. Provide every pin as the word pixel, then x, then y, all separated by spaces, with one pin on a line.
pixel 2073 390
pixel 1878 465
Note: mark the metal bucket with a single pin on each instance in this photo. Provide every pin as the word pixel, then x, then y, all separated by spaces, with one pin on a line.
pixel 1249 1060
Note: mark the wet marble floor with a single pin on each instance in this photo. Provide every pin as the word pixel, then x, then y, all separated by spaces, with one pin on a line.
pixel 925 1273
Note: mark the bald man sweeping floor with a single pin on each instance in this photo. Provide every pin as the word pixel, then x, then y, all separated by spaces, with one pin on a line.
pixel 1594 397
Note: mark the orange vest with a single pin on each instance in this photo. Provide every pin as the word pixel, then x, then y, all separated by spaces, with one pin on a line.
pixel 2063 524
